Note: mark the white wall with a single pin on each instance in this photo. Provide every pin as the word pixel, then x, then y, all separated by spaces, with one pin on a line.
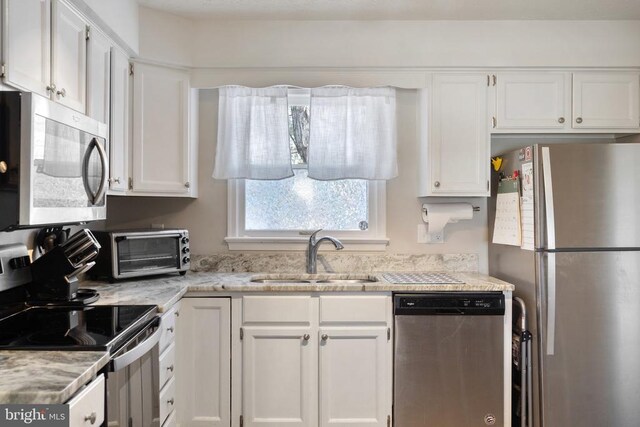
pixel 165 37
pixel 206 217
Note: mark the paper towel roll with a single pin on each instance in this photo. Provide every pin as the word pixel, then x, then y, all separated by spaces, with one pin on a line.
pixel 437 215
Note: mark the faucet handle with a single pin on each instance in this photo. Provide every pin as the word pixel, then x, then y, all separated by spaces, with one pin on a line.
pixel 312 238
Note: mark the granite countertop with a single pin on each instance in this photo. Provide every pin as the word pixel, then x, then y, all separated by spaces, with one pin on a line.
pixel 61 373
pixel 167 290
pixel 46 376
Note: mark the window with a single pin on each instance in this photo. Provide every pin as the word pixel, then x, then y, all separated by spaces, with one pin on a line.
pixel 280 214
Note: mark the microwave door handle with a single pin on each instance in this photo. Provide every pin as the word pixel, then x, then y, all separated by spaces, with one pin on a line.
pixel 138 351
pixel 95 197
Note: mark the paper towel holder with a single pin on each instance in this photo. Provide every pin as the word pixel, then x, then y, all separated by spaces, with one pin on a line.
pixel 433 230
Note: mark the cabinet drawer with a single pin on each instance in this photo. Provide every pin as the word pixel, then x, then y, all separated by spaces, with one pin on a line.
pixel 87 407
pixel 167 400
pixel 168 328
pixel 167 364
pixel 171 421
pixel 293 309
pixel 370 308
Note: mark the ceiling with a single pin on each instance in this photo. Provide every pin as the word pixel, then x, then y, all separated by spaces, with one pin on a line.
pixel 401 9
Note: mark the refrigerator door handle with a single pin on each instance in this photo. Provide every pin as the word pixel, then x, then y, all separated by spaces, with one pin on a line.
pixel 548 198
pixel 551 303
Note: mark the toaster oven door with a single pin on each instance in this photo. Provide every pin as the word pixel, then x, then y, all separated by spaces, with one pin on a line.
pixel 147 254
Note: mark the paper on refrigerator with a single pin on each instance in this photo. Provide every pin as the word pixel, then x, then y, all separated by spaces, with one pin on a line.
pixel 506 229
pixel 526 207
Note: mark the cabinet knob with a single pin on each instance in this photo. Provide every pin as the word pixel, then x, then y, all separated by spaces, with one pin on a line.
pixel 51 88
pixel 170 329
pixel 579 120
pixel 436 184
pixel 3 167
pixel 561 120
pixel 114 180
pixel 170 368
pixel 170 401
pixel 324 337
pixel 62 92
pixel 187 185
pixel 306 337
pixel 91 418
pixel 177 313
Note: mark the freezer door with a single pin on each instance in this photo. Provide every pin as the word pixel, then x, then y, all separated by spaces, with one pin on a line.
pixel 589 195
pixel 590 339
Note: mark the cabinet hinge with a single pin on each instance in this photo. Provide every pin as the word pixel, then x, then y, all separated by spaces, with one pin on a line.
pixel 488 80
pixel 241 333
pixel 388 420
pixel 494 122
pixel 241 421
pixel 388 334
pixel 87 32
pixel 131 68
pixel 488 185
pixel 130 183
pixel 3 70
pixel 494 78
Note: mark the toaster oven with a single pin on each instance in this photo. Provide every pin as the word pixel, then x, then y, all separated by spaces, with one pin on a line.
pixel 134 253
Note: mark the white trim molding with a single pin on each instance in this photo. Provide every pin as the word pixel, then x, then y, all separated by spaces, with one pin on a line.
pixel 240 239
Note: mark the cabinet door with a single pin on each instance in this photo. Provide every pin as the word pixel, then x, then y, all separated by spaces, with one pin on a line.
pixel 119 129
pixel 606 100
pixel 532 100
pixel 69 56
pixel 203 362
pixel 161 145
pixel 279 376
pixel 26 44
pixel 98 76
pixel 355 376
pixel 458 144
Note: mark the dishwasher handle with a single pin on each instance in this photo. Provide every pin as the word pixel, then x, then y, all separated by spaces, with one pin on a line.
pixel 450 304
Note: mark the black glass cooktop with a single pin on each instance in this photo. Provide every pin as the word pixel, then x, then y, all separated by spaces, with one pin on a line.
pixel 100 328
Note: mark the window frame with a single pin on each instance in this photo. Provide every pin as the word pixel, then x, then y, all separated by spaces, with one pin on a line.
pixel 239 238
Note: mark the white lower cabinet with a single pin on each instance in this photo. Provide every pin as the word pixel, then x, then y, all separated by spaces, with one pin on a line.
pixel 204 359
pixel 308 362
pixel 167 366
pixel 87 407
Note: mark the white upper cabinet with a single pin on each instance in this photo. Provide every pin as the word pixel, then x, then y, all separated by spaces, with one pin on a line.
pixel 606 100
pixel 119 130
pixel 26 45
pixel 162 145
pixel 533 101
pixel 69 56
pixel 98 76
pixel 454 139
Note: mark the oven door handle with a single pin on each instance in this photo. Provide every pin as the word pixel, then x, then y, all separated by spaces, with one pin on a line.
pixel 138 351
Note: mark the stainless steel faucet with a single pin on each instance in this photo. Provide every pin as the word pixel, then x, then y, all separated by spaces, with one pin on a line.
pixel 312 250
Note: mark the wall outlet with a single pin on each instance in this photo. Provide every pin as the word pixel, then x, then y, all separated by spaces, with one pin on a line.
pixel 424 237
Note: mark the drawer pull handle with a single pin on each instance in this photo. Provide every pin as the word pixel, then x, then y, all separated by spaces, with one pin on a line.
pixel 170 401
pixel 91 418
pixel 170 368
pixel 170 329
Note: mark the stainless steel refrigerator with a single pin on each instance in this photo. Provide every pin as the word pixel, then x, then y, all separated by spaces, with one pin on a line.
pixel 580 281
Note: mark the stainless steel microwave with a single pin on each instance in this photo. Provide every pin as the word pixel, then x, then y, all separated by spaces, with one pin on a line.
pixel 133 253
pixel 53 163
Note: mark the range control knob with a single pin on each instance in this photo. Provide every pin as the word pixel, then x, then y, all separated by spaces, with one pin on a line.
pixel 186 260
pixel 185 250
pixel 185 240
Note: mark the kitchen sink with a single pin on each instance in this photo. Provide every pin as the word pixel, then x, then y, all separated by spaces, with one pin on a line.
pixel 314 278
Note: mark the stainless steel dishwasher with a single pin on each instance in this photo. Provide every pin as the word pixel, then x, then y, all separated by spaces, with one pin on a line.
pixel 449 360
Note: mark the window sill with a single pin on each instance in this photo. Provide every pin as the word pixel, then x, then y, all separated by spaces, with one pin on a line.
pixel 300 244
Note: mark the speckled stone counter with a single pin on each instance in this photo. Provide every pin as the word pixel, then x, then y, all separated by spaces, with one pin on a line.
pixel 167 290
pixel 46 376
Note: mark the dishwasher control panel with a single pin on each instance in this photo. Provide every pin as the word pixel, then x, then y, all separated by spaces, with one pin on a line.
pixel 443 303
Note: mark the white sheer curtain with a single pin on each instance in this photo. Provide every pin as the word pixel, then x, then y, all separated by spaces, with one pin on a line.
pixel 253 134
pixel 353 133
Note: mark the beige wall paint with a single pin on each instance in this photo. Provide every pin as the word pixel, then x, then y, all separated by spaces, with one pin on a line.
pixel 206 217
